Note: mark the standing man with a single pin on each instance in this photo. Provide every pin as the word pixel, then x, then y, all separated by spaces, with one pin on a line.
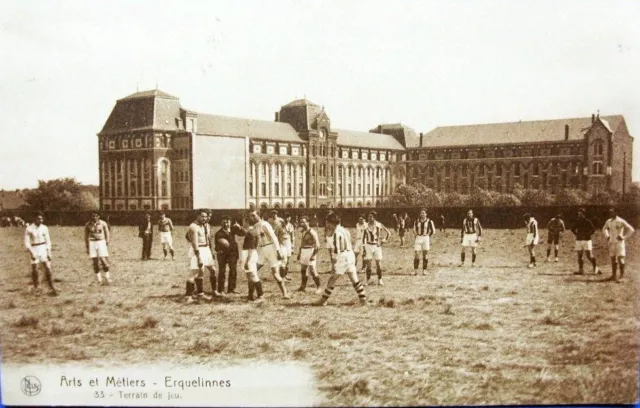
pixel 96 239
pixel 290 229
pixel 344 259
pixel 617 231
pixel 470 235
pixel 423 228
pixel 268 250
pixel 533 236
pixel 442 224
pixel 583 229
pixel 359 244
pixel 402 226
pixel 226 248
pixel 145 231
pixel 309 247
pixel 373 245
pixel 200 257
pixel 249 261
pixel 165 226
pixel 38 243
pixel 555 227
pixel 278 225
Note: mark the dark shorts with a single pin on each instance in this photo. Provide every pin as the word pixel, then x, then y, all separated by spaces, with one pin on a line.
pixel 401 232
pixel 553 238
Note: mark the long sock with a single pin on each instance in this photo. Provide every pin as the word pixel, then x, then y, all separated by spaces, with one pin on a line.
pixel 614 268
pixel 473 258
pixel 316 280
pixel 462 255
pixel 359 287
pixel 252 286
pixel 303 281
pixel 107 275
pixel 173 254
pixel 47 274
pixel 555 252
pixel 580 262
pixel 379 271
pixel 327 292
pixel 533 259
pixel 284 271
pixel 213 281
pixel 368 272
pixel 593 261
pixel 548 252
pixel 425 263
pixel 165 252
pixel 34 277
pixel 416 263
pixel 199 285
pixel 621 270
pixel 258 286
pixel 190 288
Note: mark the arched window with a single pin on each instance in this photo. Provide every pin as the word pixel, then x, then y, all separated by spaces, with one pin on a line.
pixel 164 177
pixel 598 148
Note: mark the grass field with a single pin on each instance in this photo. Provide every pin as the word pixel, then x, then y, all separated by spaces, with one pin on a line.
pixel 498 333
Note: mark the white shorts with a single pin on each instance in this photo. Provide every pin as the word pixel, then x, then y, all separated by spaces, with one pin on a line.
pixel 372 252
pixel 250 259
pixel 357 247
pixel 531 239
pixel 40 254
pixel 166 238
pixel 345 262
pixel 305 257
pixel 329 242
pixel 584 245
pixel 267 255
pixel 205 257
pixel 470 240
pixel 423 243
pixel 617 248
pixel 286 249
pixel 98 249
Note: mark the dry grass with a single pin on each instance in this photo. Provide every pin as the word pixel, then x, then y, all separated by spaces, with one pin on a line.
pixel 495 334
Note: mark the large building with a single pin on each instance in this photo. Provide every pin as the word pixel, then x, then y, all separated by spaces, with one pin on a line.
pixel 154 154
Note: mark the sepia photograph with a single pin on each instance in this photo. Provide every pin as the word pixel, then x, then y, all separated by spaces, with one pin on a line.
pixel 319 203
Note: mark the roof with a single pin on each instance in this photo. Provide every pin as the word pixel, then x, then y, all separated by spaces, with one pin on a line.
pixel 154 93
pixel 515 132
pixel 217 125
pixel 300 102
pixel 367 140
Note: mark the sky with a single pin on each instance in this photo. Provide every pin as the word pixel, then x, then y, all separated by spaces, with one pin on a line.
pixel 422 63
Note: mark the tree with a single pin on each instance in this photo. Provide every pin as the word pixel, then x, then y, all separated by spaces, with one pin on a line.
pixel 505 200
pixel 64 194
pixel 571 197
pixel 480 198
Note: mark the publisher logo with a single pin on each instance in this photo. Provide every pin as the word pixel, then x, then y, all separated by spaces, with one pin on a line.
pixel 30 386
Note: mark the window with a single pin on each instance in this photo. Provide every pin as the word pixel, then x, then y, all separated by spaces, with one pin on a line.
pixel 300 189
pixel 536 169
pixel 499 170
pixel 263 189
pixel 313 170
pixel 270 149
pixel 349 189
pixel 517 169
pixel 368 189
pixel 364 156
pixel 276 189
pixel 295 151
pixel 331 171
pixel 313 189
pixel 598 148
pixel 382 156
pixel 374 156
pixel 597 168
pixel 313 150
pixel 125 144
pixel 132 188
pixel 283 150
pixel 257 148
pixel 289 190
pixel 251 188
pixel 112 144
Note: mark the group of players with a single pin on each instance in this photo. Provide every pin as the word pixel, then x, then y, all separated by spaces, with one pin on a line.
pixel 271 242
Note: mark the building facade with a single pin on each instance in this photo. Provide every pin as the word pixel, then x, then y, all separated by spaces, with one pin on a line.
pixel 155 155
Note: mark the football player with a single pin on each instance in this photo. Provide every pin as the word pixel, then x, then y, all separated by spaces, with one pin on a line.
pixel 470 235
pixel 249 261
pixel 373 245
pixel 583 229
pixel 200 257
pixel 309 246
pixel 617 231
pixel 555 227
pixel 38 243
pixel 533 236
pixel 423 228
pixel 359 245
pixel 402 220
pixel 268 250
pixel 165 226
pixel 96 238
pixel 344 260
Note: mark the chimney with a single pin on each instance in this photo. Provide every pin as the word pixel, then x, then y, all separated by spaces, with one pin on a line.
pixel 593 118
pixel 277 116
pixel 566 132
pixel 421 137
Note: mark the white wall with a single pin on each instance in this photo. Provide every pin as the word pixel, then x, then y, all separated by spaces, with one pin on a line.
pixel 220 172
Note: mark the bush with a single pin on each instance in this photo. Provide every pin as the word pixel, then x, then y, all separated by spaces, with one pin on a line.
pixel 571 197
pixel 506 200
pixel 536 197
pixel 480 198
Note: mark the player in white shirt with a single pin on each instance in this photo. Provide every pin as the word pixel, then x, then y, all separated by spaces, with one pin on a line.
pixel 373 241
pixel 38 243
pixel 96 238
pixel 617 231
pixel 533 237
pixel 268 250
pixel 470 235
pixel 200 257
pixel 309 247
pixel 358 247
pixel 165 226
pixel 344 260
pixel 423 229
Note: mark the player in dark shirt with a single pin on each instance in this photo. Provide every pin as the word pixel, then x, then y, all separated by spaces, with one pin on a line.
pixel 583 229
pixel 227 252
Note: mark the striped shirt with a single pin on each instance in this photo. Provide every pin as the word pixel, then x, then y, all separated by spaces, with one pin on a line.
pixel 402 223
pixel 36 235
pixel 360 231
pixel 471 226
pixel 371 234
pixel 341 240
pixel 532 227
pixel 555 226
pixel 425 227
pixel 290 230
